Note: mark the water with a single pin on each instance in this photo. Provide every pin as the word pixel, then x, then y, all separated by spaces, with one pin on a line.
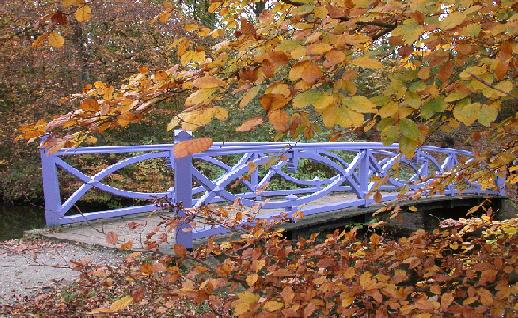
pixel 16 219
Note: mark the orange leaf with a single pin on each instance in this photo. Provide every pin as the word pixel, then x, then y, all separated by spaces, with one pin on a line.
pixel 311 73
pixel 252 279
pixel 273 101
pixel 90 104
pixel 189 147
pixel 249 124
pixel 279 120
pixel 208 82
pixel 127 245
pixel 179 250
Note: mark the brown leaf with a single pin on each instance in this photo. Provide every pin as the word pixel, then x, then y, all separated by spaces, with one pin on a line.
pixel 112 238
pixel 378 197
pixel 180 250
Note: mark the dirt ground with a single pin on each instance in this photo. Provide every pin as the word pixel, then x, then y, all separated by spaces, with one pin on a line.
pixel 29 267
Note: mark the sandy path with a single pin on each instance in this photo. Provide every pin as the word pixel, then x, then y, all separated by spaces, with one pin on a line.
pixel 29 267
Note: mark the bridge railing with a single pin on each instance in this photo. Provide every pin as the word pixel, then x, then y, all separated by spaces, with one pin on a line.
pixel 353 170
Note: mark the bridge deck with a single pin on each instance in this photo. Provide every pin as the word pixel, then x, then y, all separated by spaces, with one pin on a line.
pixel 94 232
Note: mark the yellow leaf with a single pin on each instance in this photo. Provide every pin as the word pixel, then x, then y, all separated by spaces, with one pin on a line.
pixel 220 113
pixel 192 57
pixel 488 114
pixel 121 303
pixel 452 20
pixel 389 109
pixel 69 3
pixel 346 299
pixel 252 279
pixel 307 98
pixel 214 6
pixel 56 40
pixel 409 30
pixel 278 88
pixel 83 13
pixel 466 113
pixel 208 82
pixel 318 48
pixel 189 147
pixel 359 103
pixel 175 121
pixel 367 62
pixel 201 96
pixel 249 96
pixel 245 300
pixel 348 118
pixel 273 305
pixel 323 102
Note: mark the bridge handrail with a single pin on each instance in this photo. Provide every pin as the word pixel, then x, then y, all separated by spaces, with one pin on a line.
pixel 367 159
pixel 252 146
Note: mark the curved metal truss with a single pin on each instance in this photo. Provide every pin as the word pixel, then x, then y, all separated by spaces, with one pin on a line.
pixel 271 175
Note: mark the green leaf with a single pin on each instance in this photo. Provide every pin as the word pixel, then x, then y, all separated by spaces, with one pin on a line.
pixel 471 30
pixel 433 106
pixel 389 135
pixel 359 103
pixel 456 95
pixel 409 129
pixel 487 114
pixel 466 113
pixel 307 98
pixel 410 31
pixel 452 20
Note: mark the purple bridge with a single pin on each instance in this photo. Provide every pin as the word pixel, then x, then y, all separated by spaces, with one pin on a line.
pixel 354 168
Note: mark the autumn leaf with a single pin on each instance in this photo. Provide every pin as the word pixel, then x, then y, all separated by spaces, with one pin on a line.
pixel 55 40
pixel 208 82
pixel 245 300
pixel 367 62
pixel 179 250
pixel 121 303
pixel 273 305
pixel 190 147
pixel 83 13
pixel 249 96
pixel 378 197
pixel 279 120
pixel 249 124
pixel 112 238
pixel 252 279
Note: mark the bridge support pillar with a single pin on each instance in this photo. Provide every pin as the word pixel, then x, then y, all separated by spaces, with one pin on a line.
pixel 364 175
pixel 183 189
pixel 51 191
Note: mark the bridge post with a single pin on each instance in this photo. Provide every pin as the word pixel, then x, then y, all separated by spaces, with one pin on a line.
pixel 51 191
pixel 254 178
pixel 364 175
pixel 500 185
pixel 183 189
